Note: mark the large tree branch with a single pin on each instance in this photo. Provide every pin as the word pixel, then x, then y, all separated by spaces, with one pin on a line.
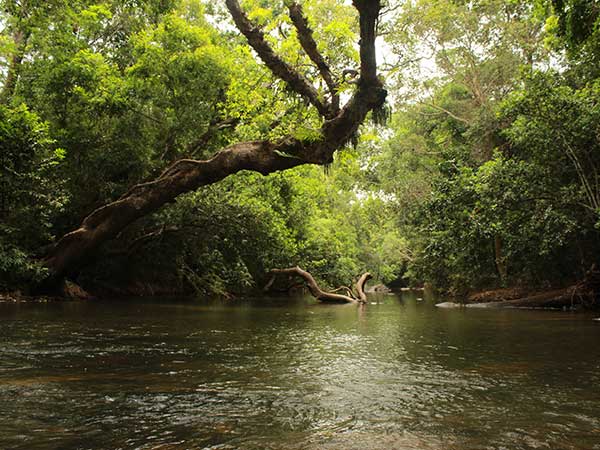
pixel 305 36
pixel 183 176
pixel 368 17
pixel 278 66
pixel 264 157
pixel 360 286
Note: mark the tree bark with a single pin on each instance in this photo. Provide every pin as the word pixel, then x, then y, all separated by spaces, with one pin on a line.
pixel 305 36
pixel 264 157
pixel 322 295
pixel 360 286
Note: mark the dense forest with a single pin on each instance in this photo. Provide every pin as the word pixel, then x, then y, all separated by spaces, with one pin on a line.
pixel 468 158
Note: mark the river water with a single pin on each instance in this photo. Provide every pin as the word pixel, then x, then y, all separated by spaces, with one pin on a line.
pixel 293 374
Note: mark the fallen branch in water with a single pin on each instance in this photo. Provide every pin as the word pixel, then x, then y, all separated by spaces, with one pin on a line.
pixel 360 286
pixel 581 293
pixel 322 295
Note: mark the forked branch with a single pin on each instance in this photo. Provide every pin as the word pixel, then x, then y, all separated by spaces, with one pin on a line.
pixel 256 38
pixel 322 295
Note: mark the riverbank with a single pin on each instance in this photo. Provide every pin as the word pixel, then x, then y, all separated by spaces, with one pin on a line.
pixel 582 295
pixel 18 297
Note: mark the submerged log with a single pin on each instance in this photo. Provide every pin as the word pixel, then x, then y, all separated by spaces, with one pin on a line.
pixel 325 296
pixel 557 298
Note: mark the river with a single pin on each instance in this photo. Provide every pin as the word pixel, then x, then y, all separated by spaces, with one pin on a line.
pixel 289 373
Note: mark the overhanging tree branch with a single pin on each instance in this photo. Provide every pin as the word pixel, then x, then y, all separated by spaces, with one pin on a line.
pixel 305 36
pixel 263 157
pixel 278 66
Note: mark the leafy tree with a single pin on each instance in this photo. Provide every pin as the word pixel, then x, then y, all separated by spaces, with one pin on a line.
pixel 263 156
pixel 31 194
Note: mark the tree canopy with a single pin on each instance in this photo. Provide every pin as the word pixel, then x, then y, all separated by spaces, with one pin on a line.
pixel 203 144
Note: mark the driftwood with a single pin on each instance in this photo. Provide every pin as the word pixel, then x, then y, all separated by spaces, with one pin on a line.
pixel 360 286
pixel 558 298
pixel 549 299
pixel 585 293
pixel 320 294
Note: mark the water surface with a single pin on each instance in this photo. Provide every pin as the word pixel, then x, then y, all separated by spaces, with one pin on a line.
pixel 292 374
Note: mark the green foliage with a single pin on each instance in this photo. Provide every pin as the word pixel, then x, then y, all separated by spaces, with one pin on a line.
pixel 30 193
pixel 125 88
pixel 17 269
pixel 484 175
pixel 528 214
pixel 577 20
pixel 574 28
pixel 493 170
pixel 226 237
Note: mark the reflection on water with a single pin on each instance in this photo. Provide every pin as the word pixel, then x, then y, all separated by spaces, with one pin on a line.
pixel 292 374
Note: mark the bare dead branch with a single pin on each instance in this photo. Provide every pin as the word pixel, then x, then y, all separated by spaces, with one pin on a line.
pixel 346 289
pixel 360 286
pixel 326 296
pixel 314 288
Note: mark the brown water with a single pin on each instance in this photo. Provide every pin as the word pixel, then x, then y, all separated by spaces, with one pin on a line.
pixel 292 374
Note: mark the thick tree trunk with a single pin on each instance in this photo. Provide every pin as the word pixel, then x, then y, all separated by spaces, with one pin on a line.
pixel 325 296
pixel 264 157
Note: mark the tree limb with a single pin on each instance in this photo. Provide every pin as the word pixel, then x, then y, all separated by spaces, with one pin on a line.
pixel 445 111
pixel 278 66
pixel 346 289
pixel 214 127
pixel 305 36
pixel 368 16
pixel 264 157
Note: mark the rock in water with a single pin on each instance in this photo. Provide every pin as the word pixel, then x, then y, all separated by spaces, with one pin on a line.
pixel 448 305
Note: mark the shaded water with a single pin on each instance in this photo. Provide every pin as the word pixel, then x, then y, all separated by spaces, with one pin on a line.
pixel 292 374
